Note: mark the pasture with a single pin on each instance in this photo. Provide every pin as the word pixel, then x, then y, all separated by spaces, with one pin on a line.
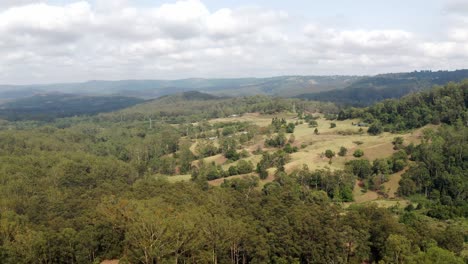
pixel 312 146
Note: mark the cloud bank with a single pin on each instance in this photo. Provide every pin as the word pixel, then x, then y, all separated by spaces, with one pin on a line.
pixel 79 41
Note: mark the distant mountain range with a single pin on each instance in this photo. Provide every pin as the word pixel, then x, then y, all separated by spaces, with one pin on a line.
pixel 285 86
pixel 368 90
pixel 46 102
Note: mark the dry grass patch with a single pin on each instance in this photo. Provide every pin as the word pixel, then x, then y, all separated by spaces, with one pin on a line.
pixel 220 181
pixel 218 159
pixel 253 158
pixel 255 118
pixel 114 261
pixel 391 187
pixel 391 203
pixel 178 178
pixel 363 197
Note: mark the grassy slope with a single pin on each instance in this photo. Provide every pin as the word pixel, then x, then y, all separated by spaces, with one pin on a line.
pixel 373 146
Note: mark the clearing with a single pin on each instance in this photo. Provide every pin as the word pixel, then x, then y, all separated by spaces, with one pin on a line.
pixel 312 146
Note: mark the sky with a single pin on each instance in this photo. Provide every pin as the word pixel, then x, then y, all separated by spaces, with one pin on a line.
pixel 78 40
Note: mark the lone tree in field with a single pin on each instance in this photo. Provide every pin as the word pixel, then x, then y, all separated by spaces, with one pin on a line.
pixel 397 143
pixel 316 131
pixel 329 154
pixel 332 125
pixel 343 151
pixel 313 123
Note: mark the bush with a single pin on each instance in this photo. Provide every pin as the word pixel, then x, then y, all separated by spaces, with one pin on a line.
pixel 232 154
pixel 375 129
pixel 313 123
pixel 290 128
pixel 244 154
pixel 244 167
pixel 398 165
pixel 329 154
pixel 290 149
pixel 332 125
pixel 343 151
pixel 233 170
pixel 358 153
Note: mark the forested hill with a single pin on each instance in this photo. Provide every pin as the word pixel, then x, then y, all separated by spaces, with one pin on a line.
pixel 47 107
pixel 112 186
pixel 188 96
pixel 394 85
pixel 349 90
pixel 447 104
pixel 196 106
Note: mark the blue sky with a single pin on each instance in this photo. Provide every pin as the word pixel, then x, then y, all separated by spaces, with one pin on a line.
pixel 78 40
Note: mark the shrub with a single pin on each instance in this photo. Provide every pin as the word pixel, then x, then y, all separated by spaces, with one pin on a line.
pixel 244 167
pixel 358 153
pixel 375 129
pixel 343 151
pixel 313 123
pixel 329 154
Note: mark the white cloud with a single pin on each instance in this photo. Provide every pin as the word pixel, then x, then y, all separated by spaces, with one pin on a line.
pixel 10 3
pixel 117 40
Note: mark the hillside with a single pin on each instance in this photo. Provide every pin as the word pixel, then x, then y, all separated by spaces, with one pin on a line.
pixel 51 106
pixel 274 179
pixel 188 96
pixel 195 106
pixel 344 90
pixel 368 90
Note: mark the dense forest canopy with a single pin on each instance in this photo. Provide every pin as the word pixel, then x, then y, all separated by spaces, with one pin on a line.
pixel 47 107
pixel 85 189
pixel 447 104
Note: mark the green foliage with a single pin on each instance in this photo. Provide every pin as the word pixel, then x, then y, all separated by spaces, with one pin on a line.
pixel 397 143
pixel 51 106
pixel 241 184
pixel 358 153
pixel 369 90
pixel 82 190
pixel 439 171
pixel 277 159
pixel 290 128
pixel 343 151
pixel 440 105
pixel 362 168
pixel 277 141
pixel 436 255
pixel 375 129
pixel 329 154
pixel 313 123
